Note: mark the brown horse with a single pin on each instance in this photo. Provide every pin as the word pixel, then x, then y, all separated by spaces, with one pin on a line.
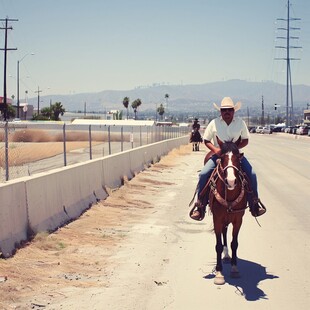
pixel 227 201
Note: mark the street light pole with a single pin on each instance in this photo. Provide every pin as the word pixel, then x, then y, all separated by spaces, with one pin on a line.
pixel 18 82
pixel 38 91
pixel 18 89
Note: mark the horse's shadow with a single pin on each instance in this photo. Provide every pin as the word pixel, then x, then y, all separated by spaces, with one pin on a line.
pixel 250 276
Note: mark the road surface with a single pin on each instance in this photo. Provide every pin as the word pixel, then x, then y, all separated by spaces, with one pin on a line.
pixel 162 259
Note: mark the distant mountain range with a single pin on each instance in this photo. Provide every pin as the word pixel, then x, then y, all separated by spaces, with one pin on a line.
pixel 184 98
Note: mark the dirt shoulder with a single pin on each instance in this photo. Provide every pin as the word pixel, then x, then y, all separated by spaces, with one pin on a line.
pixel 79 255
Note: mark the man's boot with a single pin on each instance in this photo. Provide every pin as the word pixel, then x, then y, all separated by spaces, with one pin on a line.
pixel 198 212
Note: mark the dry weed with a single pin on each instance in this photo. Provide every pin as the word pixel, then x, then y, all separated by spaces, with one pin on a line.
pixel 34 135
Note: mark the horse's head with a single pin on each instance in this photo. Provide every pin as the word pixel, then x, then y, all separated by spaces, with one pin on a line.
pixel 230 162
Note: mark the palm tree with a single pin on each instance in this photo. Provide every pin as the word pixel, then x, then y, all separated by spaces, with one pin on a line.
pixel 57 109
pixel 161 111
pixel 135 104
pixel 126 104
pixel 46 113
pixel 166 98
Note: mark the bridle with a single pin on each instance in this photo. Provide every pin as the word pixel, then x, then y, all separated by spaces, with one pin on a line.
pixel 218 174
pixel 221 171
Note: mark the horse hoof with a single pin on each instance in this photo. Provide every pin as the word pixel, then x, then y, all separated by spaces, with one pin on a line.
pixel 219 278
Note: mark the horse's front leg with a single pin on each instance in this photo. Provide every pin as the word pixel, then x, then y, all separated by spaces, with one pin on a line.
pixel 226 257
pixel 219 278
pixel 234 273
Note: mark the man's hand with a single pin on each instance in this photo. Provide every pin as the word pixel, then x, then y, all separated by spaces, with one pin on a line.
pixel 213 148
pixel 217 151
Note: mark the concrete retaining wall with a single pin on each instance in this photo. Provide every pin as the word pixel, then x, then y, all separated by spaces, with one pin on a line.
pixel 13 216
pixel 49 200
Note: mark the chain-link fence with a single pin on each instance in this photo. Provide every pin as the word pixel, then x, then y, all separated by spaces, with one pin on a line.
pixel 29 148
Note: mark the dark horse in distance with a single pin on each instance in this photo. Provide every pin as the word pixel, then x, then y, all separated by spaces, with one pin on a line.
pixel 195 139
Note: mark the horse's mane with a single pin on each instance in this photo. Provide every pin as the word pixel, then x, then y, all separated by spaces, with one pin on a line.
pixel 229 146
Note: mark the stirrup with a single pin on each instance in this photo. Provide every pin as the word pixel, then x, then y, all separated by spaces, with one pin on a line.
pixel 257 208
pixel 198 211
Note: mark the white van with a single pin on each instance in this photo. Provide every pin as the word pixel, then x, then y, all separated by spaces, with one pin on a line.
pixel 259 129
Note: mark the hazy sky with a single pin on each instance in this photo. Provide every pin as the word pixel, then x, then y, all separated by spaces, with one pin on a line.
pixel 94 45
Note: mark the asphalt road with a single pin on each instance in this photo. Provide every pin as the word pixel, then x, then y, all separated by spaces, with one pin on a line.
pixel 168 259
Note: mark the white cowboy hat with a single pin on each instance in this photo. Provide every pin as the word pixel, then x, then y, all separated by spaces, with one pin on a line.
pixel 227 103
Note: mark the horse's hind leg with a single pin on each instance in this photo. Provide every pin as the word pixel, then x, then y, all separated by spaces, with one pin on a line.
pixel 226 257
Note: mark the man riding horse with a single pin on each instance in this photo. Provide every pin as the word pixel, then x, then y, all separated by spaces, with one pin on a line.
pixel 227 128
pixel 195 137
pixel 196 124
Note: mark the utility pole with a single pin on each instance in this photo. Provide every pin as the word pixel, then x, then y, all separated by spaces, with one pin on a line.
pixel 289 92
pixel 263 112
pixel 5 49
pixel 38 91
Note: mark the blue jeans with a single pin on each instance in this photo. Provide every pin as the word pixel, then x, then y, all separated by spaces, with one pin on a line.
pixel 207 170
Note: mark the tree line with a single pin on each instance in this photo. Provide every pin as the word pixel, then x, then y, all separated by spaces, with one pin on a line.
pixel 137 102
pixel 49 113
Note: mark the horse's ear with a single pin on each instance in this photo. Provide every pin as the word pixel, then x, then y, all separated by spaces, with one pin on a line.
pixel 219 141
pixel 238 141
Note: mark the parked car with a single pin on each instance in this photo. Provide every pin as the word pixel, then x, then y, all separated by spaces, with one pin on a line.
pixel 302 130
pixel 259 129
pixel 267 130
pixel 288 129
pixel 294 130
pixel 278 129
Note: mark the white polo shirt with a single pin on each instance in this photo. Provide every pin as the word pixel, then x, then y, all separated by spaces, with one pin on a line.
pixel 231 132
